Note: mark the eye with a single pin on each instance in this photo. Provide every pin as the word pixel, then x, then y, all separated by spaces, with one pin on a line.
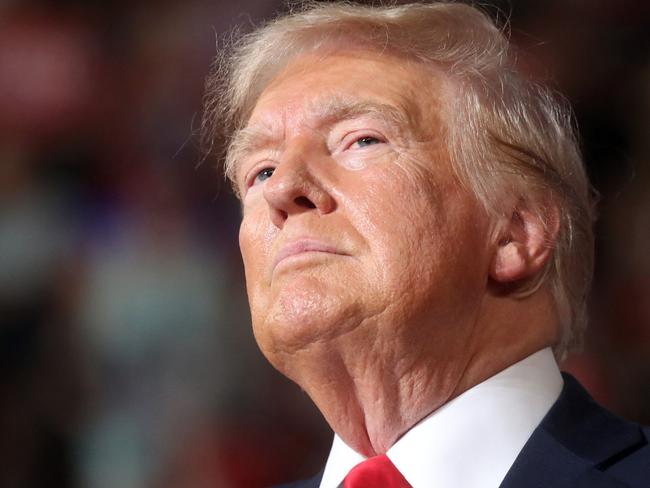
pixel 263 175
pixel 365 141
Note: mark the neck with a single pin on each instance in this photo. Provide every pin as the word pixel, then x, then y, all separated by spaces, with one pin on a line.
pixel 371 397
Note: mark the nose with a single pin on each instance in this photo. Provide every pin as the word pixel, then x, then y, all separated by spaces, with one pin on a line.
pixel 295 188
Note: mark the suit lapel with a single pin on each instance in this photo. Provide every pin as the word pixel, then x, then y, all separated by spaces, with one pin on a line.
pixel 574 445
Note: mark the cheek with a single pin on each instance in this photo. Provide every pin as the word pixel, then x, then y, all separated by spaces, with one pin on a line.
pixel 365 159
pixel 421 227
pixel 256 238
pixel 396 218
pixel 396 205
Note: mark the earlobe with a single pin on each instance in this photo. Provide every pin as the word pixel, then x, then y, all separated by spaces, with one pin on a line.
pixel 525 243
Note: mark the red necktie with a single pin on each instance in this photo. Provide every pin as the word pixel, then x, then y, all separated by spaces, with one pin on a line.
pixel 375 472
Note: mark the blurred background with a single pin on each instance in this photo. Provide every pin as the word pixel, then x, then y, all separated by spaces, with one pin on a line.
pixel 126 357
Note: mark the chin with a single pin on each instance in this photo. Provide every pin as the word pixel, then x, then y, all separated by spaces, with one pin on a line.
pixel 302 313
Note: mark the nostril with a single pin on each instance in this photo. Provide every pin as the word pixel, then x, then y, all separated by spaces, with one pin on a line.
pixel 304 202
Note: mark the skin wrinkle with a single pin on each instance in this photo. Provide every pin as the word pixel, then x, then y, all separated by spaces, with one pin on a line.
pixel 329 44
pixel 356 396
pixel 408 393
pixel 405 396
pixel 412 112
pixel 388 373
pixel 470 359
pixel 250 140
pixel 352 407
pixel 381 340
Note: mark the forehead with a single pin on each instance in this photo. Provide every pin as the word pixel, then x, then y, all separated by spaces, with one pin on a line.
pixel 319 89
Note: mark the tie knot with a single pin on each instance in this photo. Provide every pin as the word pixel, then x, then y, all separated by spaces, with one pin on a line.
pixel 375 472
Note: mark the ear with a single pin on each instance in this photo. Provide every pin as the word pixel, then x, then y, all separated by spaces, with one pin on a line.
pixel 525 242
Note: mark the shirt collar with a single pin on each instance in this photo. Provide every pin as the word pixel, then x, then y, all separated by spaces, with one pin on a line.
pixel 487 424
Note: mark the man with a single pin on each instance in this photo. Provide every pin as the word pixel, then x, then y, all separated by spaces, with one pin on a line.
pixel 417 242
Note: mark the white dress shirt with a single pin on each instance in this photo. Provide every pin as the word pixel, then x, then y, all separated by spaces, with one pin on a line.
pixel 473 440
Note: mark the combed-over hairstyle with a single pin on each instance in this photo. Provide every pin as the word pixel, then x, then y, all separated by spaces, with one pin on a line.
pixel 507 136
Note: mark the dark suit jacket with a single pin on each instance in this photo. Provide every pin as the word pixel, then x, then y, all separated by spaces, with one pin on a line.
pixel 578 444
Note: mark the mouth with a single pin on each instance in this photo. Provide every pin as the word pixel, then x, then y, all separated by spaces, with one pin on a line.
pixel 304 246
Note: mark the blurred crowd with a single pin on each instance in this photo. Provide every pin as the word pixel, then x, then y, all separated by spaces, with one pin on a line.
pixel 125 348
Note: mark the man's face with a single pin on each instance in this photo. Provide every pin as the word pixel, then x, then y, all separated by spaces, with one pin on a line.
pixel 355 232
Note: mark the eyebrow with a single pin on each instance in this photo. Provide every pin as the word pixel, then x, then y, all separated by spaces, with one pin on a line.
pixel 337 109
pixel 324 113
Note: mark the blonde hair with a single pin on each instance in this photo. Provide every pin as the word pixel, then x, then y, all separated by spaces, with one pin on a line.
pixel 507 135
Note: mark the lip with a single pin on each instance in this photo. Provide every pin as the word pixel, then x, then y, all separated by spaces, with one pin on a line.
pixel 302 246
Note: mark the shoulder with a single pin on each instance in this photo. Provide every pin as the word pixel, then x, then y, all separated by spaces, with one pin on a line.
pixel 633 466
pixel 584 445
